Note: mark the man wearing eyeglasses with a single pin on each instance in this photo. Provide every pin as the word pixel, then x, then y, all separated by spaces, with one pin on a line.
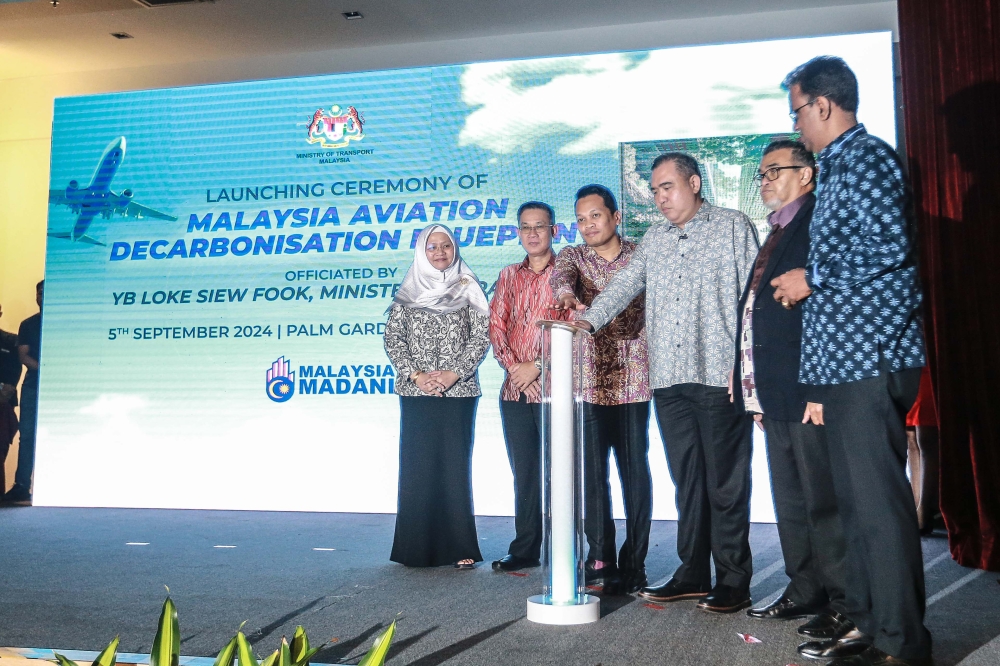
pixel 862 351
pixel 765 384
pixel 522 297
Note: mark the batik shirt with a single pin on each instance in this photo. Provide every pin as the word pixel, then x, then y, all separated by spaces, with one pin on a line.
pixel 693 278
pixel 864 311
pixel 421 340
pixel 615 359
pixel 522 298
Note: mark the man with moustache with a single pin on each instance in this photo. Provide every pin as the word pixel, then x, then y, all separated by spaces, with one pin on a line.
pixel 693 267
pixel 862 353
pixel 765 384
pixel 523 297
pixel 616 395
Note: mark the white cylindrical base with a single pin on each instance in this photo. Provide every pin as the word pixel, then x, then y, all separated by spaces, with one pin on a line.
pixel 543 613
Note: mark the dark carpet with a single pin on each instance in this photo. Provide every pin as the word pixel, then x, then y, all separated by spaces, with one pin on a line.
pixel 68 580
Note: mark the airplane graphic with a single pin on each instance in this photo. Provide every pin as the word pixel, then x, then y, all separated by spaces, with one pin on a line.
pixel 98 199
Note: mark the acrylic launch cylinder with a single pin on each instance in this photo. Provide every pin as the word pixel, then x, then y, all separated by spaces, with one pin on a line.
pixel 563 599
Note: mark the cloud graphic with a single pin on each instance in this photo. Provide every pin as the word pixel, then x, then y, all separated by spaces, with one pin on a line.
pixel 114 406
pixel 588 104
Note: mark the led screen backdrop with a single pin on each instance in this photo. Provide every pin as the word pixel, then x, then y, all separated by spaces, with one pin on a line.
pixel 220 258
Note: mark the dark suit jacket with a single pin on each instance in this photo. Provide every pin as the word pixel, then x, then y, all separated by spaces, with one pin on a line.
pixel 777 332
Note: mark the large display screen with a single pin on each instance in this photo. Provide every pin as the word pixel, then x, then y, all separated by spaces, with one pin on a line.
pixel 220 258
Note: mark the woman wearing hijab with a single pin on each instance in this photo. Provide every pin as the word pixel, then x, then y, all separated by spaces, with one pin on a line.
pixel 436 336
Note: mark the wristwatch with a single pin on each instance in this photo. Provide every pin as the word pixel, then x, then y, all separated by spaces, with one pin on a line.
pixel 413 375
pixel 538 364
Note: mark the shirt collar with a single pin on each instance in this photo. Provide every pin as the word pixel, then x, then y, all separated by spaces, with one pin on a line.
pixel 782 216
pixel 838 144
pixel 527 266
pixel 700 216
pixel 622 251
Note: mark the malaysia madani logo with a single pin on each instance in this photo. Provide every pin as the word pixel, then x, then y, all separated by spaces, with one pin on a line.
pixel 280 380
pixel 336 129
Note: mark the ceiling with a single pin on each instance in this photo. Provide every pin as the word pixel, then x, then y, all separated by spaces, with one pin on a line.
pixel 38 39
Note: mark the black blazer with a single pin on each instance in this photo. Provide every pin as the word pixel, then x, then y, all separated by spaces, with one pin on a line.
pixel 777 332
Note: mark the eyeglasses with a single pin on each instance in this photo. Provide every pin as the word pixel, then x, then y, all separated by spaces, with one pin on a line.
pixel 434 247
pixel 772 174
pixel 794 115
pixel 539 229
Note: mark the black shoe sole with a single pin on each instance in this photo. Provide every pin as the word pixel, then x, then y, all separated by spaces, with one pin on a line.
pixel 502 569
pixel 780 619
pixel 676 597
pixel 829 658
pixel 725 610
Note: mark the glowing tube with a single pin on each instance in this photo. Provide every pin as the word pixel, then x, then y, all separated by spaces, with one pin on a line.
pixel 562 470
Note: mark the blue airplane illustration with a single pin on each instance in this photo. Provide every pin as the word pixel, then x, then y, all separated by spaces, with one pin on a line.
pixel 98 199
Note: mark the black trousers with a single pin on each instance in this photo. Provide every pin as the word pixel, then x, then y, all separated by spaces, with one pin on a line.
pixel 708 448
pixel 865 423
pixel 522 432
pixel 805 503
pixel 623 429
pixel 435 523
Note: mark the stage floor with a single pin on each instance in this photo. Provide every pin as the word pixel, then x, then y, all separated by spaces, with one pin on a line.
pixel 69 580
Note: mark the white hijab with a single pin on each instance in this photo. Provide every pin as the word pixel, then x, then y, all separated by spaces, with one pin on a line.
pixel 427 288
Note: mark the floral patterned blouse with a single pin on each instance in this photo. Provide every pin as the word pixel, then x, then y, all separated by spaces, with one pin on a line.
pixel 420 340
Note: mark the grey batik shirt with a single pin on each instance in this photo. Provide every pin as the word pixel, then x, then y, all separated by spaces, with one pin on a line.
pixel 421 340
pixel 693 279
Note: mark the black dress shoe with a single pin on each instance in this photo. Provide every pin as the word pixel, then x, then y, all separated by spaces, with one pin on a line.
pixel 725 599
pixel 850 644
pixel 827 624
pixel 592 575
pixel 673 590
pixel 782 609
pixel 17 494
pixel 624 582
pixel 875 657
pixel 514 563
pixel 633 581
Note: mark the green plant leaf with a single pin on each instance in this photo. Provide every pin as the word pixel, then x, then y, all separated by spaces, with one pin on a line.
pixel 376 656
pixel 307 656
pixel 299 647
pixel 244 651
pixel 64 661
pixel 271 658
pixel 109 655
pixel 227 654
pixel 285 656
pixel 167 642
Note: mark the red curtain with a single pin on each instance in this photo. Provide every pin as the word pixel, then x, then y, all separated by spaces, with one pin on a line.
pixel 950 56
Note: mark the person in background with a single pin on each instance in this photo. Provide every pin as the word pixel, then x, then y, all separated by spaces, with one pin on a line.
pixel 10 375
pixel 616 395
pixel 29 349
pixel 922 454
pixel 692 268
pixel 436 336
pixel 862 351
pixel 522 298
pixel 766 375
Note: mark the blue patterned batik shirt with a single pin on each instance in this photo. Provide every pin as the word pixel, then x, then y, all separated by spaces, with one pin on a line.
pixel 863 316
